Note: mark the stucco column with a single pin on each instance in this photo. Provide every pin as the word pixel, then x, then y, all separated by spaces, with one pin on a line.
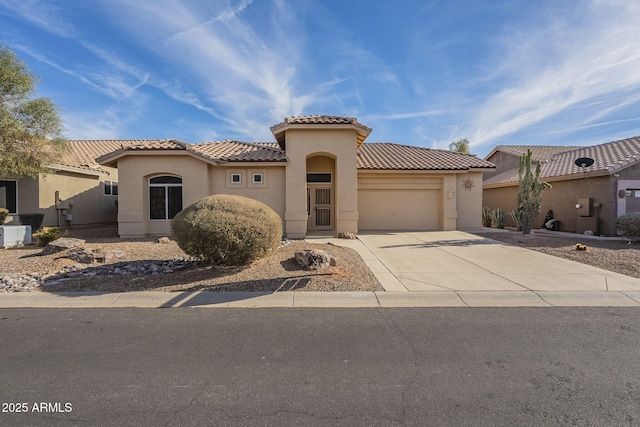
pixel 295 216
pixel 450 205
pixel 346 194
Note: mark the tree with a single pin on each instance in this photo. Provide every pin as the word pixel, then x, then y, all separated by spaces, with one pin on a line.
pixel 461 146
pixel 530 192
pixel 30 127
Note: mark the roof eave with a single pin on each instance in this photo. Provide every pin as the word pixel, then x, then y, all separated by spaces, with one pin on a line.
pixel 65 168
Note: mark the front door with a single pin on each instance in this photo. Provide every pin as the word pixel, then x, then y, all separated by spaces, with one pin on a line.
pixel 319 204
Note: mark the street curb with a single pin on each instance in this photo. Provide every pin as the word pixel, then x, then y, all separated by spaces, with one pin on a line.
pixel 298 299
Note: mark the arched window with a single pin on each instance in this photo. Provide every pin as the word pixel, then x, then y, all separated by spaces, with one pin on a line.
pixel 165 197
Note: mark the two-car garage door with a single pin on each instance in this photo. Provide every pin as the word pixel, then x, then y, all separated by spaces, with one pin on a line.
pixel 408 204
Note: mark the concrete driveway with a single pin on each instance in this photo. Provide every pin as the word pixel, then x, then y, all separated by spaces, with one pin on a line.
pixel 462 264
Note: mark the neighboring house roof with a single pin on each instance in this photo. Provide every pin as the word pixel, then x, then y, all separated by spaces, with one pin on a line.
pixel 608 159
pixel 389 156
pixel 538 152
pixel 82 155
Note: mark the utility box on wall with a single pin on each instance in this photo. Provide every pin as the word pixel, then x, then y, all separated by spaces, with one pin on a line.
pixel 584 206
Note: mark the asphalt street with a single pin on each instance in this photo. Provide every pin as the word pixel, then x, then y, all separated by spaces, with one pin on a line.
pixel 373 366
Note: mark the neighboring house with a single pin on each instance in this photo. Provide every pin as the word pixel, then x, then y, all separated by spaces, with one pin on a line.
pixel 589 199
pixel 78 189
pixel 319 176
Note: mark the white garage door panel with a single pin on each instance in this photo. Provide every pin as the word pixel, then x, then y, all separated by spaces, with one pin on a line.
pixel 399 209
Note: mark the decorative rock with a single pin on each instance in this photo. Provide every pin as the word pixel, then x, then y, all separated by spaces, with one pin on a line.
pixel 81 255
pixel 62 244
pixel 98 255
pixel 313 259
pixel 164 240
pixel 30 282
pixel 347 235
pixel 589 232
pixel 113 254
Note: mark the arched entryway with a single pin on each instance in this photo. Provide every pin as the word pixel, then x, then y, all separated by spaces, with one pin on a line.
pixel 321 186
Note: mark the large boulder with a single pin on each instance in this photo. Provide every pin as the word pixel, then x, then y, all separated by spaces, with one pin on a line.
pixel 314 259
pixel 62 244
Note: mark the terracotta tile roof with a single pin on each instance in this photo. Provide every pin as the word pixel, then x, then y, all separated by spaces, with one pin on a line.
pixel 319 120
pixel 538 152
pixel 236 151
pixel 82 154
pixel 608 158
pixel 388 156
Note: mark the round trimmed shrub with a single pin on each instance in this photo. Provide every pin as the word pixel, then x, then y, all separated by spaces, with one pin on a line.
pixel 227 230
pixel 32 219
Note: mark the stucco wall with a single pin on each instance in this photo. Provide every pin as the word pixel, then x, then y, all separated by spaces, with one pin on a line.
pixel 136 170
pixel 562 199
pixel 469 200
pixel 272 193
pixel 503 162
pixel 339 144
pixel 90 205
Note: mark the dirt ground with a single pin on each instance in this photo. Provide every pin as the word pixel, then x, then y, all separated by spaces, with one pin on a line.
pixel 278 272
pixel 613 255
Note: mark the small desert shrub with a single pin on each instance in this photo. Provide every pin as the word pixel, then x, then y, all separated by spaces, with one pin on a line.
pixel 516 219
pixel 629 225
pixel 227 230
pixel 48 235
pixel 4 213
pixel 32 219
pixel 498 217
pixel 486 217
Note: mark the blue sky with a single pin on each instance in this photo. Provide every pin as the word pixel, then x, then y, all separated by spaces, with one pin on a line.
pixel 422 73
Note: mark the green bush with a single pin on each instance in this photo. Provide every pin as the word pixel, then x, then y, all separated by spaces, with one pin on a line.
pixel 227 230
pixel 32 219
pixel 48 235
pixel 4 213
pixel 629 225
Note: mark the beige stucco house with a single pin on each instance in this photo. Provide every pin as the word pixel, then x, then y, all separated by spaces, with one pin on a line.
pixel 320 177
pixel 581 199
pixel 78 191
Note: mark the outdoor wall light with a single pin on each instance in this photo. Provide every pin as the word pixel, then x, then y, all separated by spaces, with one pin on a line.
pixel 578 206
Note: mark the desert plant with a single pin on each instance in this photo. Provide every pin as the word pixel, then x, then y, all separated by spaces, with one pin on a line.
pixel 529 193
pixel 227 230
pixel 4 213
pixel 32 219
pixel 486 216
pixel 48 235
pixel 629 225
pixel 497 217
pixel 516 220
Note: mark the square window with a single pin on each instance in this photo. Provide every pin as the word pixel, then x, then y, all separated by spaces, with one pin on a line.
pixel 257 178
pixel 236 178
pixel 110 188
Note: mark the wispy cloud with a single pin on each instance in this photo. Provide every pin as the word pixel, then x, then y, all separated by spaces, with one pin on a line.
pixel 564 64
pixel 43 14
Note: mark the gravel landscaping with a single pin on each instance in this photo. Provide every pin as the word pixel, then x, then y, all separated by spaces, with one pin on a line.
pixel 618 256
pixel 152 266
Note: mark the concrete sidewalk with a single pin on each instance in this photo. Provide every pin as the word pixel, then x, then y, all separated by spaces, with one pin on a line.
pixel 416 269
